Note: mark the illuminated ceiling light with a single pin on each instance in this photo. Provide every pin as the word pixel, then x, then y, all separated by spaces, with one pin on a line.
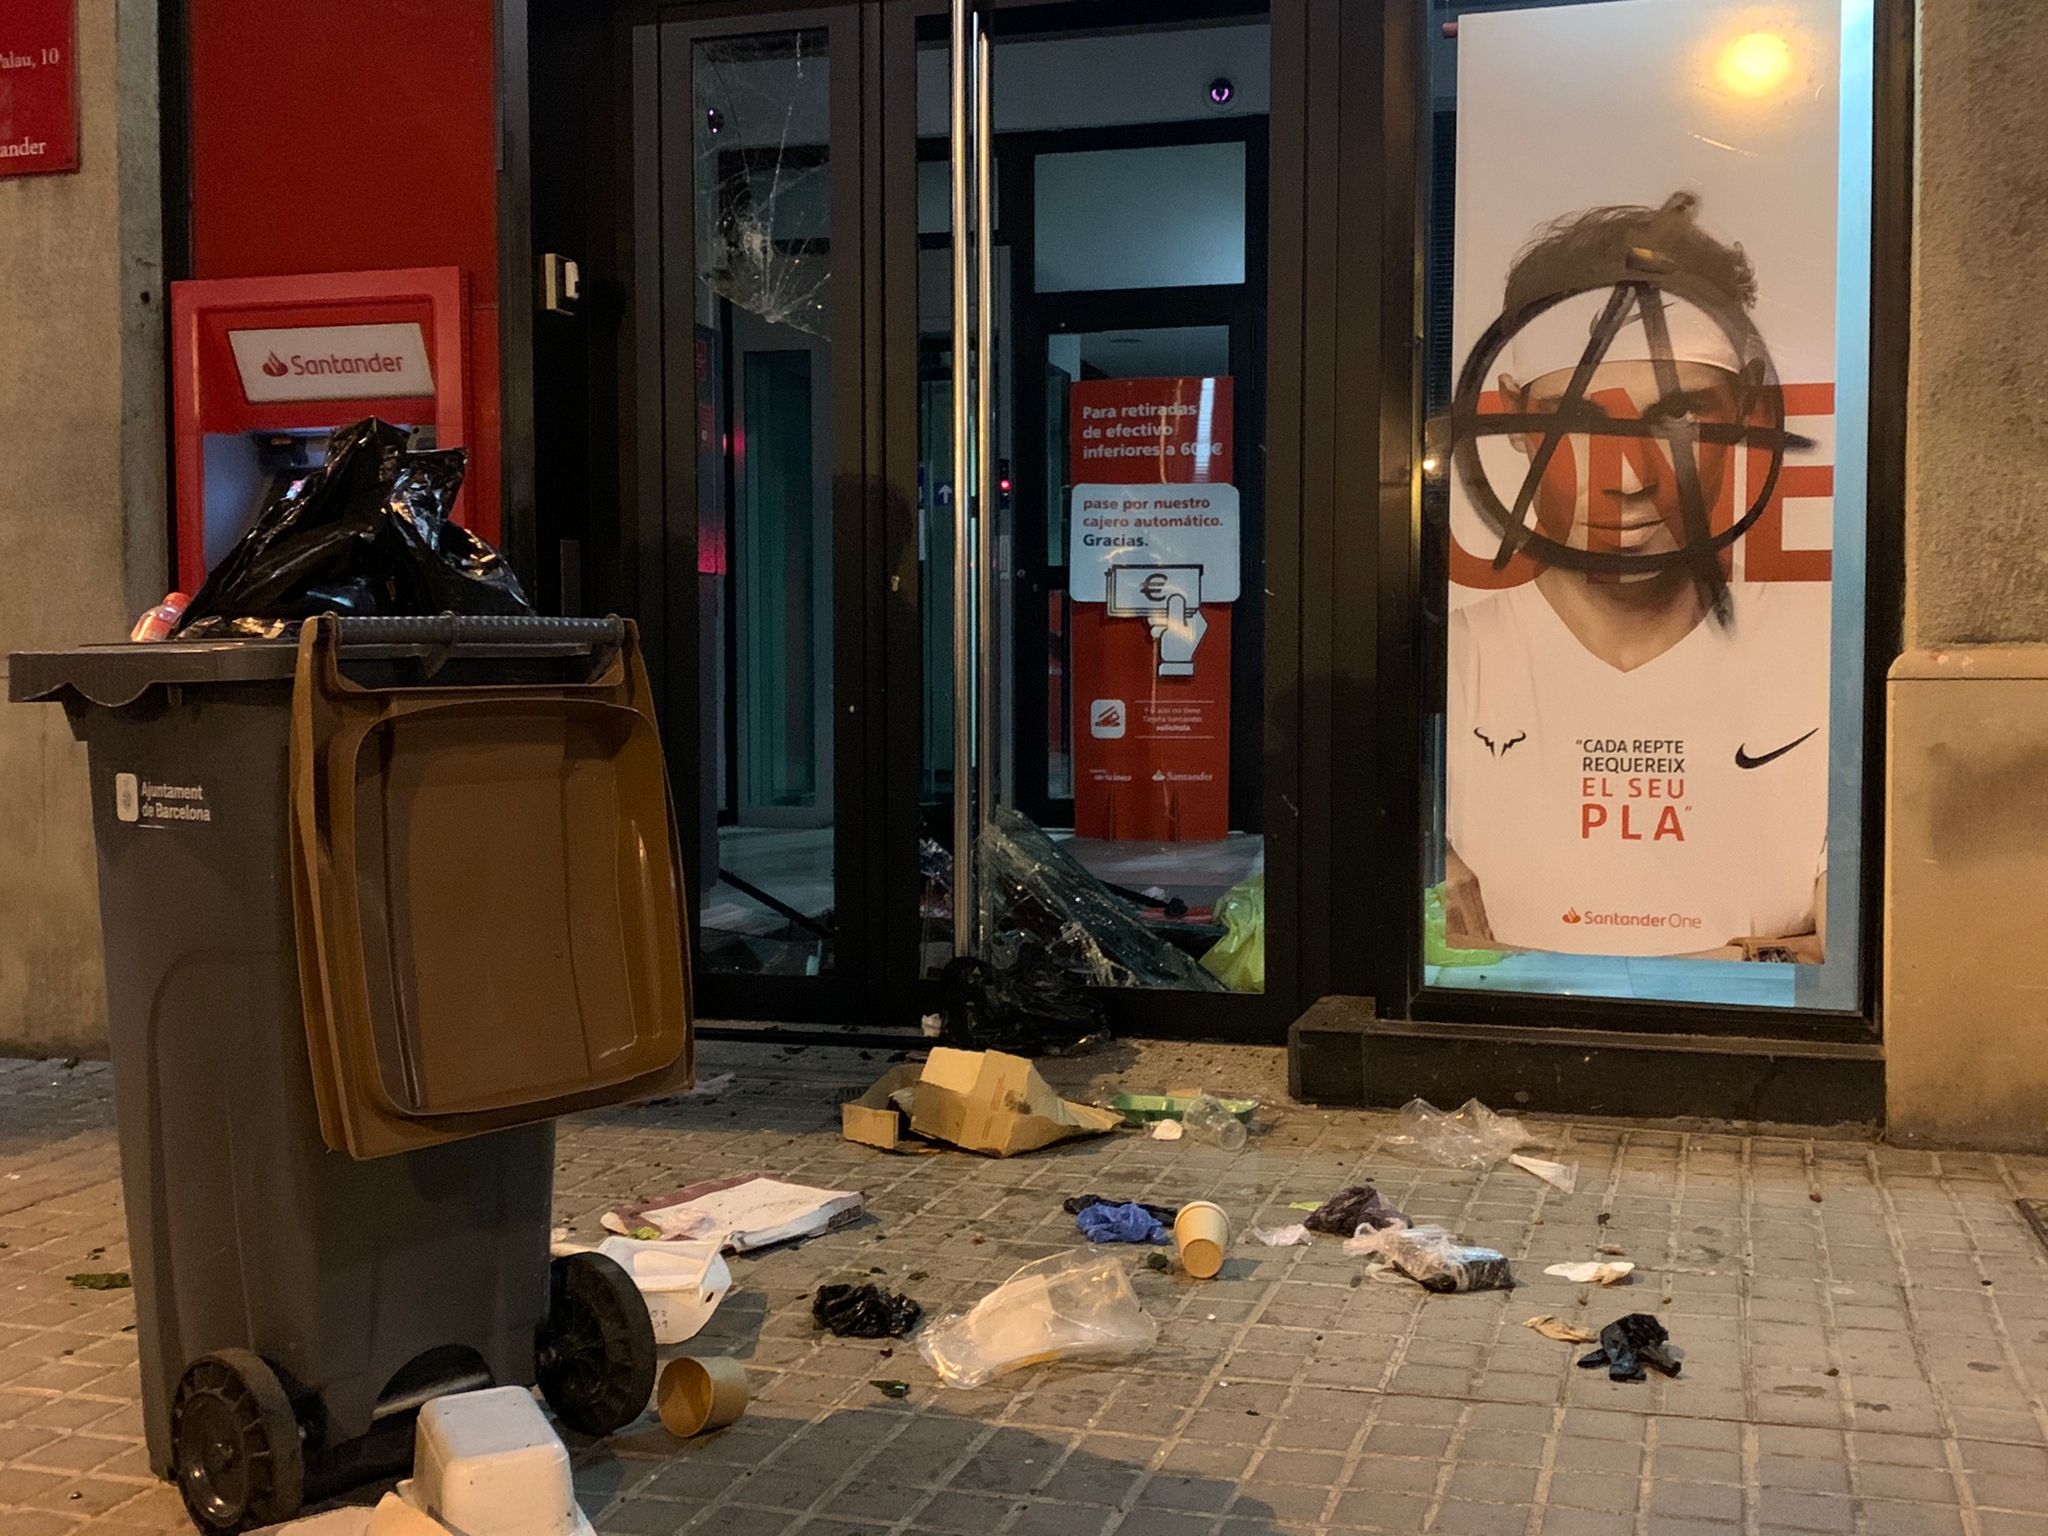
pixel 1755 64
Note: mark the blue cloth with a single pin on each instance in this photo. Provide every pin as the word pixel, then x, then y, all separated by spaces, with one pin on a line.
pixel 1120 1224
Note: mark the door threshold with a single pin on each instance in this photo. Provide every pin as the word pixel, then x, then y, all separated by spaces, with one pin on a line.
pixel 1338 1052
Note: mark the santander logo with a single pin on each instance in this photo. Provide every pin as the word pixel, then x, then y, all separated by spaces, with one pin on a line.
pixel 275 366
pixel 1572 915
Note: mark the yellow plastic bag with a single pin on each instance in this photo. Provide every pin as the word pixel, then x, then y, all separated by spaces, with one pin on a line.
pixel 1238 959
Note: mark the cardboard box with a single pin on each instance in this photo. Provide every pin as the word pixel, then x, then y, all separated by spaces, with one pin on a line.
pixel 979 1101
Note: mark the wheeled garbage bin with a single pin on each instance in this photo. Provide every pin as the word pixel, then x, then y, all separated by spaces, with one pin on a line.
pixel 379 903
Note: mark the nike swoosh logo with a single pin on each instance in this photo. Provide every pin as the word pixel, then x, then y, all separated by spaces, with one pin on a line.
pixel 1744 760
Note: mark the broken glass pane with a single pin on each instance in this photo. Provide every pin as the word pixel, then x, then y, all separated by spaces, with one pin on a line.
pixel 764 208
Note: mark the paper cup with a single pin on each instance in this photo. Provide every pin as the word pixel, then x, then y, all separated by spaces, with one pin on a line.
pixel 696 1395
pixel 1202 1234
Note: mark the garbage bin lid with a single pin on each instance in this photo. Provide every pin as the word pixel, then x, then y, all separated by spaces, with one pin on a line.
pixel 117 675
pixel 491 925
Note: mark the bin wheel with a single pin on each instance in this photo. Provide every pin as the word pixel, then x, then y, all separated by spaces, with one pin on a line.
pixel 235 1444
pixel 594 1356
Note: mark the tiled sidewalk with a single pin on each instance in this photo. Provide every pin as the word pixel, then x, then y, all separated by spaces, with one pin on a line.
pixel 1866 1335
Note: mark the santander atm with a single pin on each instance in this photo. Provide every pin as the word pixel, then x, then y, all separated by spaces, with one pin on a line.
pixel 264 368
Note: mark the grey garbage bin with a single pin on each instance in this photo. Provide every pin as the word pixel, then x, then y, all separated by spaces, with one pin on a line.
pixel 337 1157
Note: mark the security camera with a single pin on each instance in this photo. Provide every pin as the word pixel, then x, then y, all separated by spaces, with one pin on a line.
pixel 1222 92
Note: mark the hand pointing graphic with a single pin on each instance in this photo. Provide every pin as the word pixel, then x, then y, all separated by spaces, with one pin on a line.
pixel 1178 632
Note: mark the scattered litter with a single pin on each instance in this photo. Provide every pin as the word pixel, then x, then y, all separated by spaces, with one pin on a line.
pixel 698 1394
pixel 864 1312
pixel 1076 1305
pixel 1209 1119
pixel 101 1280
pixel 1282 1237
pixel 1564 1176
pixel 1471 1136
pixel 1201 1232
pixel 741 1214
pixel 483 1461
pixel 709 1088
pixel 1103 1222
pixel 681 1282
pixel 1435 1259
pixel 1157 1261
pixel 1168 1130
pixel 1592 1273
pixel 1350 1209
pixel 1153 1108
pixel 1074 1205
pixel 980 1101
pixel 932 1025
pixel 1305 1205
pixel 1612 1250
pixel 1629 1343
pixel 896 1389
pixel 1557 1328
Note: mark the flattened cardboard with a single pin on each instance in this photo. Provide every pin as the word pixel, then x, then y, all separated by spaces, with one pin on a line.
pixel 873 1121
pixel 980 1101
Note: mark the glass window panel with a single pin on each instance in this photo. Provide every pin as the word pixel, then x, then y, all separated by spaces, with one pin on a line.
pixel 1167 217
pixel 1649 569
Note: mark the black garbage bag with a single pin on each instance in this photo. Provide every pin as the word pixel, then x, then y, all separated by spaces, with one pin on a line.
pixel 1628 1344
pixel 864 1312
pixel 368 532
pixel 1359 1205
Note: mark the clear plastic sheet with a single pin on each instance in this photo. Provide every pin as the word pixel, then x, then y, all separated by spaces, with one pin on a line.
pixel 1471 1136
pixel 1072 1306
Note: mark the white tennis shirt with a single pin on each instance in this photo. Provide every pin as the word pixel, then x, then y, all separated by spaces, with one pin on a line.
pixel 1661 811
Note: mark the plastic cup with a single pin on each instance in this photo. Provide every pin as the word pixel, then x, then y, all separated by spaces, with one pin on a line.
pixel 695 1395
pixel 1202 1234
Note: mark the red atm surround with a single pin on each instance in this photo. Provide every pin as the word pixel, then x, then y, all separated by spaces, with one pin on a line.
pixel 209 399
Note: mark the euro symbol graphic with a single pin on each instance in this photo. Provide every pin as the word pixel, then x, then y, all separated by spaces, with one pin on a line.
pixel 1154 586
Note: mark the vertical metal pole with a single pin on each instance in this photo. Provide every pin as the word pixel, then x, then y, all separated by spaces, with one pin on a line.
pixel 985 415
pixel 963 548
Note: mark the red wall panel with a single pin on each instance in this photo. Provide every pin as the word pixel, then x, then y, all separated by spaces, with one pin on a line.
pixel 352 135
pixel 342 135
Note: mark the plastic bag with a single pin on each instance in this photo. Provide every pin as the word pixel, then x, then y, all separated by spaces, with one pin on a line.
pixel 864 1312
pixel 368 532
pixel 1472 1136
pixel 1072 1306
pixel 1435 1259
pixel 1436 949
pixel 1360 1208
pixel 1238 959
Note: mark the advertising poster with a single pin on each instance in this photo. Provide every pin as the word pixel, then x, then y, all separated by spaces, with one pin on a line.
pixel 1153 567
pixel 1641 462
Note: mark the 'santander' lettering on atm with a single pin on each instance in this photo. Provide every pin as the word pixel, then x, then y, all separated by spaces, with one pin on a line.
pixel 332 362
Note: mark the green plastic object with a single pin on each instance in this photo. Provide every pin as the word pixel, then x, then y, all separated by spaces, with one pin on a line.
pixel 1435 950
pixel 1238 959
pixel 1144 1108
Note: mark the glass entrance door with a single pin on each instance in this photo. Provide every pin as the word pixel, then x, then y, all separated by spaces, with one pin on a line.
pixel 1120 721
pixel 1134 621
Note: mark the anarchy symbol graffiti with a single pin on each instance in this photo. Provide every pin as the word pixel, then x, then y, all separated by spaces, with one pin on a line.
pixel 1759 424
